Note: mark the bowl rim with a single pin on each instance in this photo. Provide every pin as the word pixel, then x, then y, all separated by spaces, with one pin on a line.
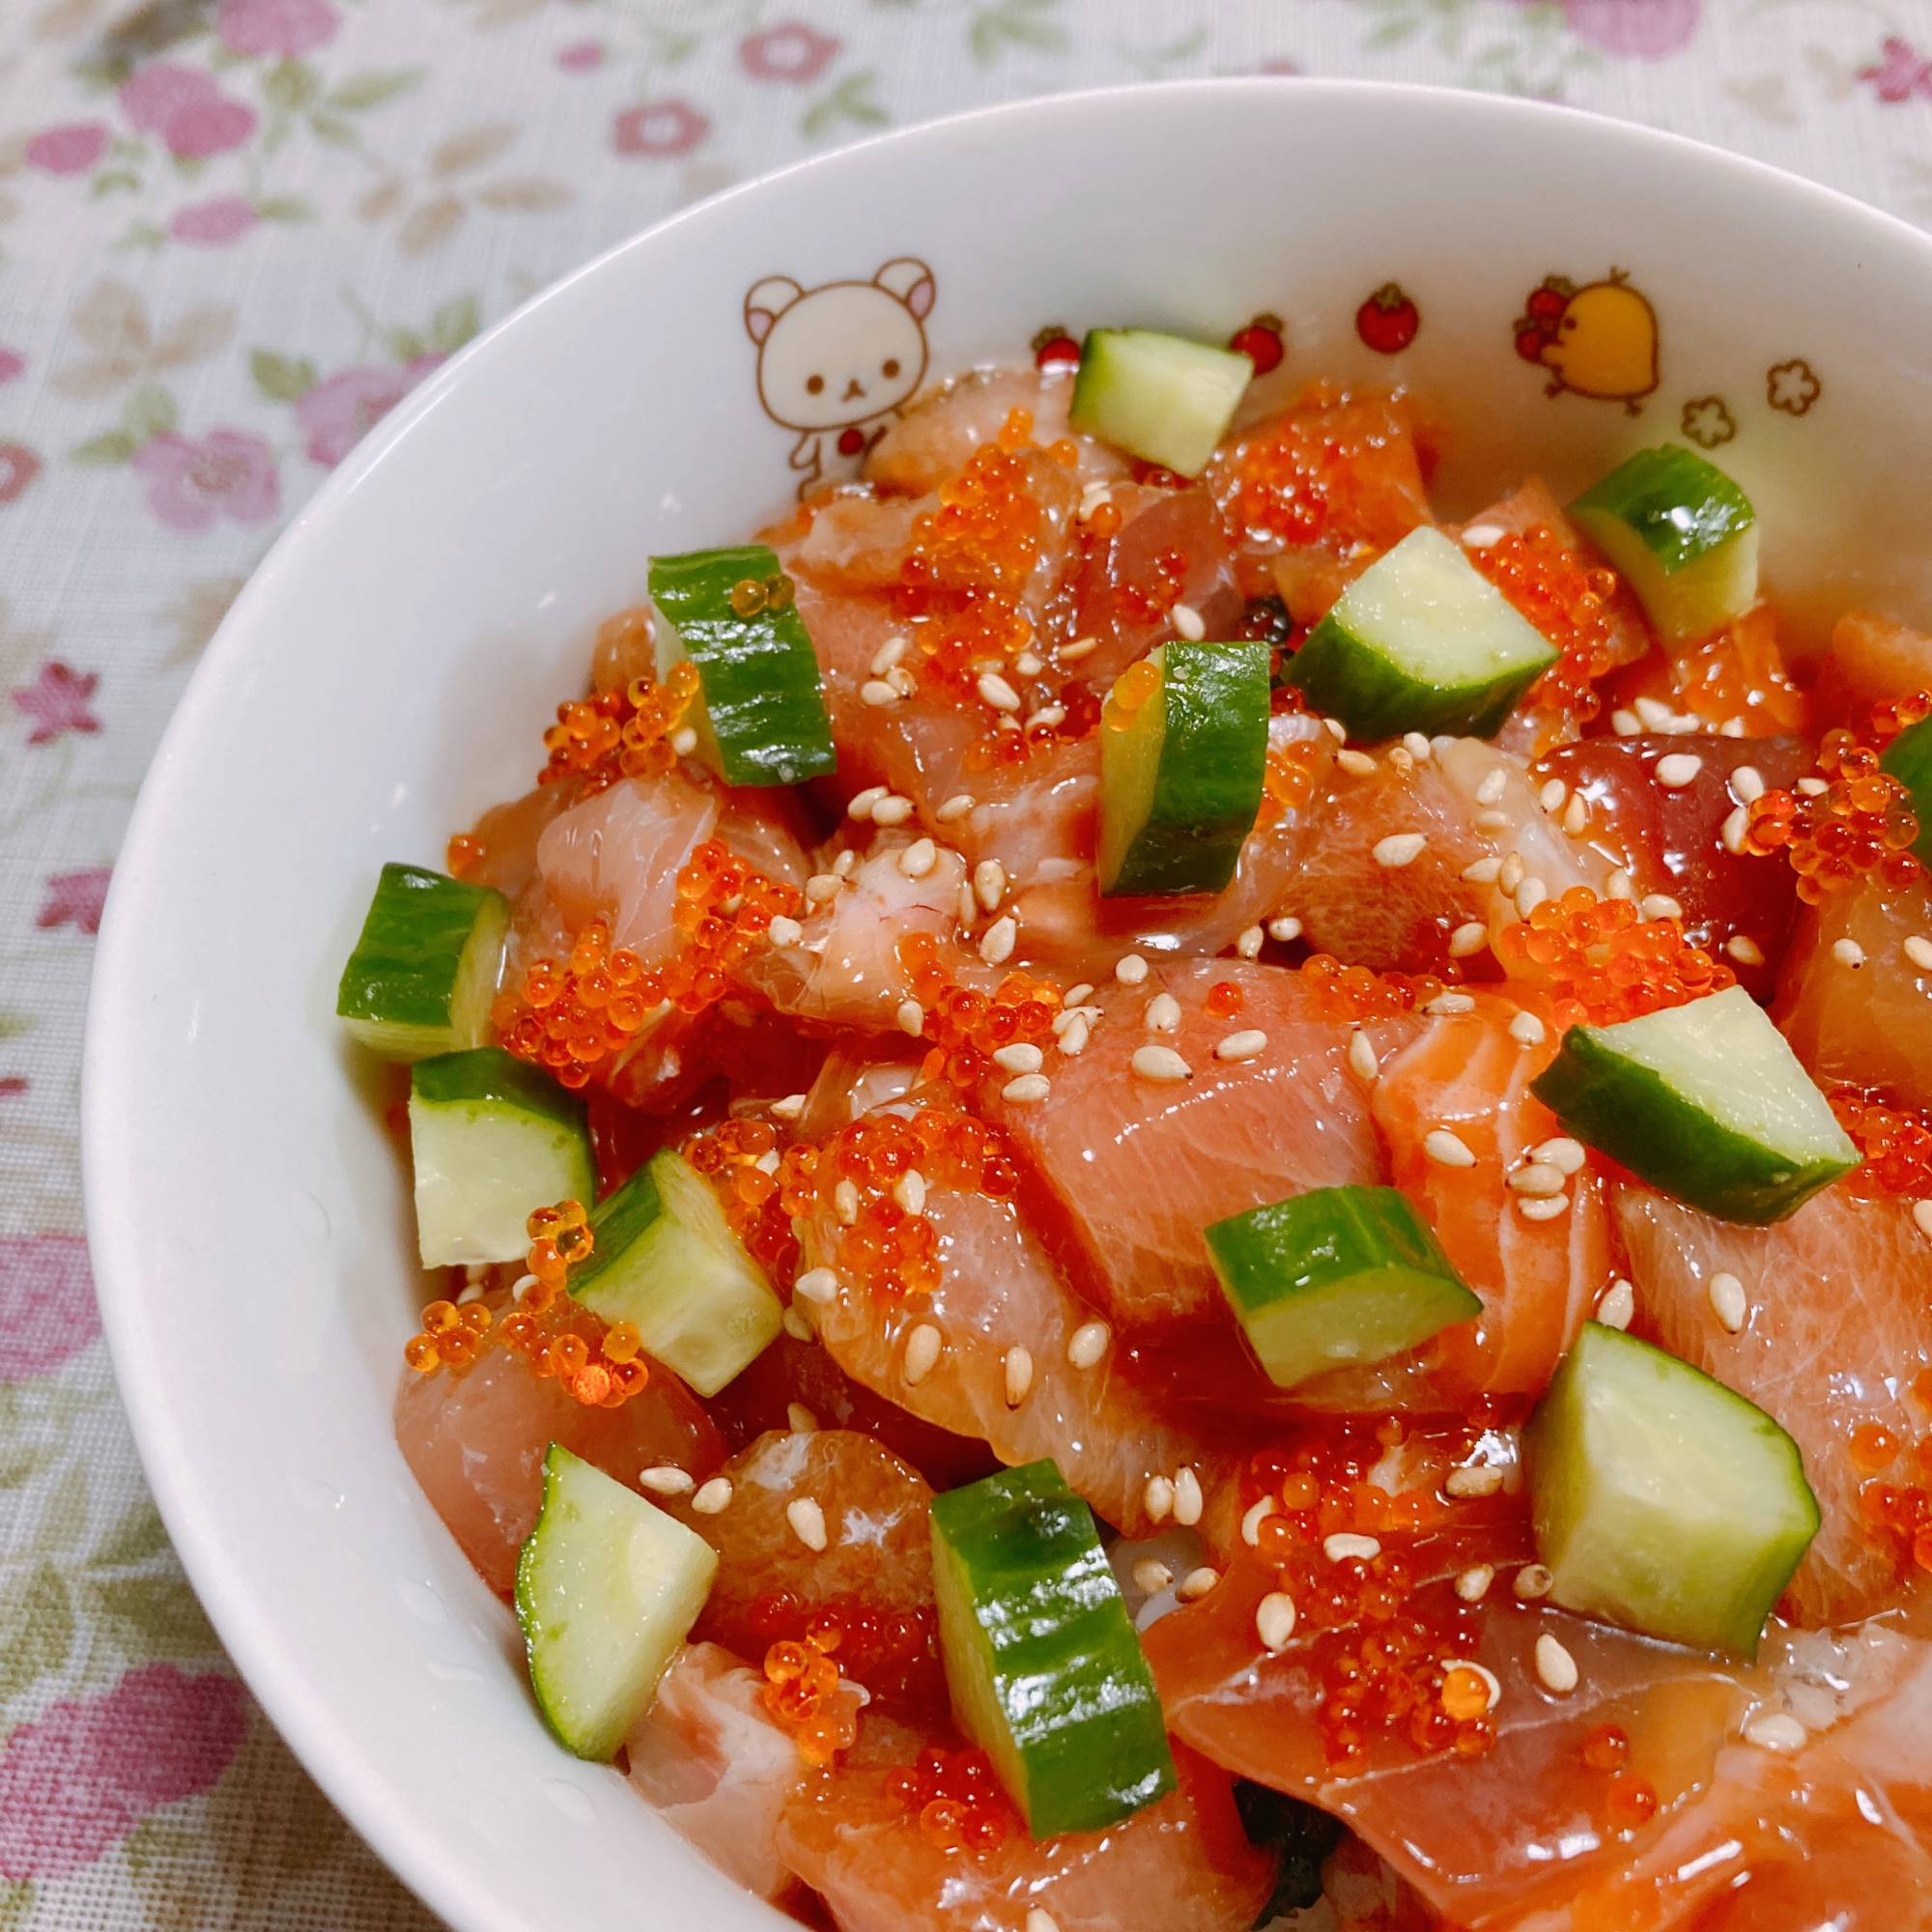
pixel 326 1745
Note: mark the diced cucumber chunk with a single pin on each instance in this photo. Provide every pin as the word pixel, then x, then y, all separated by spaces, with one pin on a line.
pixel 607 1588
pixel 1158 397
pixel 1682 535
pixel 1180 786
pixel 1421 641
pixel 1046 1673
pixel 667 1262
pixel 1706 1102
pixel 759 714
pixel 424 971
pixel 492 1138
pixel 1335 1276
pixel 1662 1500
pixel 1909 760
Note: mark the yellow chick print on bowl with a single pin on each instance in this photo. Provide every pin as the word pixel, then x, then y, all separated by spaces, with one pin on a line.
pixel 1599 340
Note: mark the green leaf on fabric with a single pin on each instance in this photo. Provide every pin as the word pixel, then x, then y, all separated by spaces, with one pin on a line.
pixel 136 1536
pixel 114 181
pixel 290 85
pixel 14 1021
pixel 63 1524
pixel 362 91
pixel 851 100
pixel 404 345
pixel 327 127
pixel 149 411
pixel 279 379
pixel 21 1461
pixel 1013 23
pixel 455 323
pixel 157 1840
pixel 284 208
pixel 17 1901
pixel 36 1628
pixel 153 1615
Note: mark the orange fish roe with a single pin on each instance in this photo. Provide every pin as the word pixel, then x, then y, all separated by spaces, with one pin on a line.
pixel 1863 819
pixel 619 735
pixel 808 1698
pixel 1736 673
pixel 1141 603
pixel 1355 993
pixel 1606 1747
pixel 571 1018
pixel 957 1797
pixel 1566 598
pixel 1631 1801
pixel 966 1027
pixel 463 854
pixel 1289 779
pixel 1896 1142
pixel 882 1652
pixel 1603 961
pixel 1898 1513
pixel 1133 691
pixel 1224 1000
pixel 736 1157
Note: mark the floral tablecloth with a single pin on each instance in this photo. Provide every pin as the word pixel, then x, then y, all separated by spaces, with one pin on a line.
pixel 232 233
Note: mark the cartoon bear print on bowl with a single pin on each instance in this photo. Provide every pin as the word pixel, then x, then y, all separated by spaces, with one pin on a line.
pixel 1597 341
pixel 837 362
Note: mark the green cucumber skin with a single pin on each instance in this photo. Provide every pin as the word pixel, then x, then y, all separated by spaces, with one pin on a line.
pixel 762 698
pixel 1075 1693
pixel 399 987
pixel 621 1218
pixel 1110 399
pixel 1376 700
pixel 487 1073
pixel 1678 505
pixel 1909 760
pixel 1213 761
pixel 1631 1114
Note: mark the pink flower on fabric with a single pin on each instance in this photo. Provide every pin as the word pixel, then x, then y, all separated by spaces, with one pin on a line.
pixel 48 1311
pixel 285 27
pixel 225 473
pixel 581 58
pixel 1898 74
pixel 789 51
pixel 660 129
pixel 1633 29
pixel 71 148
pixel 57 702
pixel 76 900
pixel 13 1086
pixel 19 467
pixel 87 1771
pixel 185 107
pixel 214 224
pixel 12 362
pixel 338 413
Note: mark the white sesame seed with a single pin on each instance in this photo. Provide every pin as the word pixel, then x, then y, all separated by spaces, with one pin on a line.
pixel 1074 1036
pixel 1470 937
pixel 1474 1584
pixel 666 1479
pixel 1445 1006
pixel 1531 895
pixel 895 809
pixel 1813 788
pixel 1251 1522
pixel 1028 1087
pixel 1197 1583
pixel 1655 714
pixel 1554 1664
pixel 1526 1030
pixel 1157 1498
pixel 1483 1481
pixel 712 1496
pixel 1921 1214
pixel 1775 1731
pixel 911 1016
pixel 1186 1498
pixel 919 858
pixel 1088 1344
pixel 876 691
pixel 1162 1015
pixel 822 886
pixel 968 907
pixel 1357 764
pixel 1576 816
pixel 800 1420
pixel 1019 1375
pixel 1021 1057
pixel 1284 929
pixel 1543 1206
pixel 909 1191
pixel 1274 1619
pixel 1531 1581
pixel 956 807
pixel 807 1521
pixel 1400 849
pixel 1491 821
pixel 922 1351
pixel 1745 950
pixel 1731 727
pixel 1512 872
pixel 1538 1179
pixel 845 1202
pixel 1028 665
pixel 1130 969
pixel 884 659
pixel 819 1285
pixel 1660 905
pixel 1187 621
pixel 1336 729
pixel 1746 783
pixel 1620 885
pixel 520 1286
pixel 1446 1148
pixel 989 883
pixel 1484 871
pixel 1618 1305
pixel 862 802
pixel 998 693
pixel 903 680
pixel 997 947
pixel 1040 1920
pixel 1480 536
pixel 790 1107
pixel 768 1162
pixel 1080 647
pixel 1160 1063
pixel 684 741
pixel 1152 1576
pixel 1345 1544
pixel 1415 745
pixel 1362 1061
pixel 785 931
pixel 1495 781
pixel 1565 1155
pixel 1848 952
pixel 1625 723
pixel 1727 1301
pixel 843 867
pixel 1248 942
pixel 1731 834
pixel 1919 951
pixel 1242 1045
pixel 794 1323
pixel 1553 795
pixel 1677 769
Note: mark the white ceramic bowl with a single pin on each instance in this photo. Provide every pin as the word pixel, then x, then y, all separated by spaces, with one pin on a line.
pixel 388 672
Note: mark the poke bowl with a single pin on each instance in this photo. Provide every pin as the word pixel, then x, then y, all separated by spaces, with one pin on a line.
pixel 990 786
